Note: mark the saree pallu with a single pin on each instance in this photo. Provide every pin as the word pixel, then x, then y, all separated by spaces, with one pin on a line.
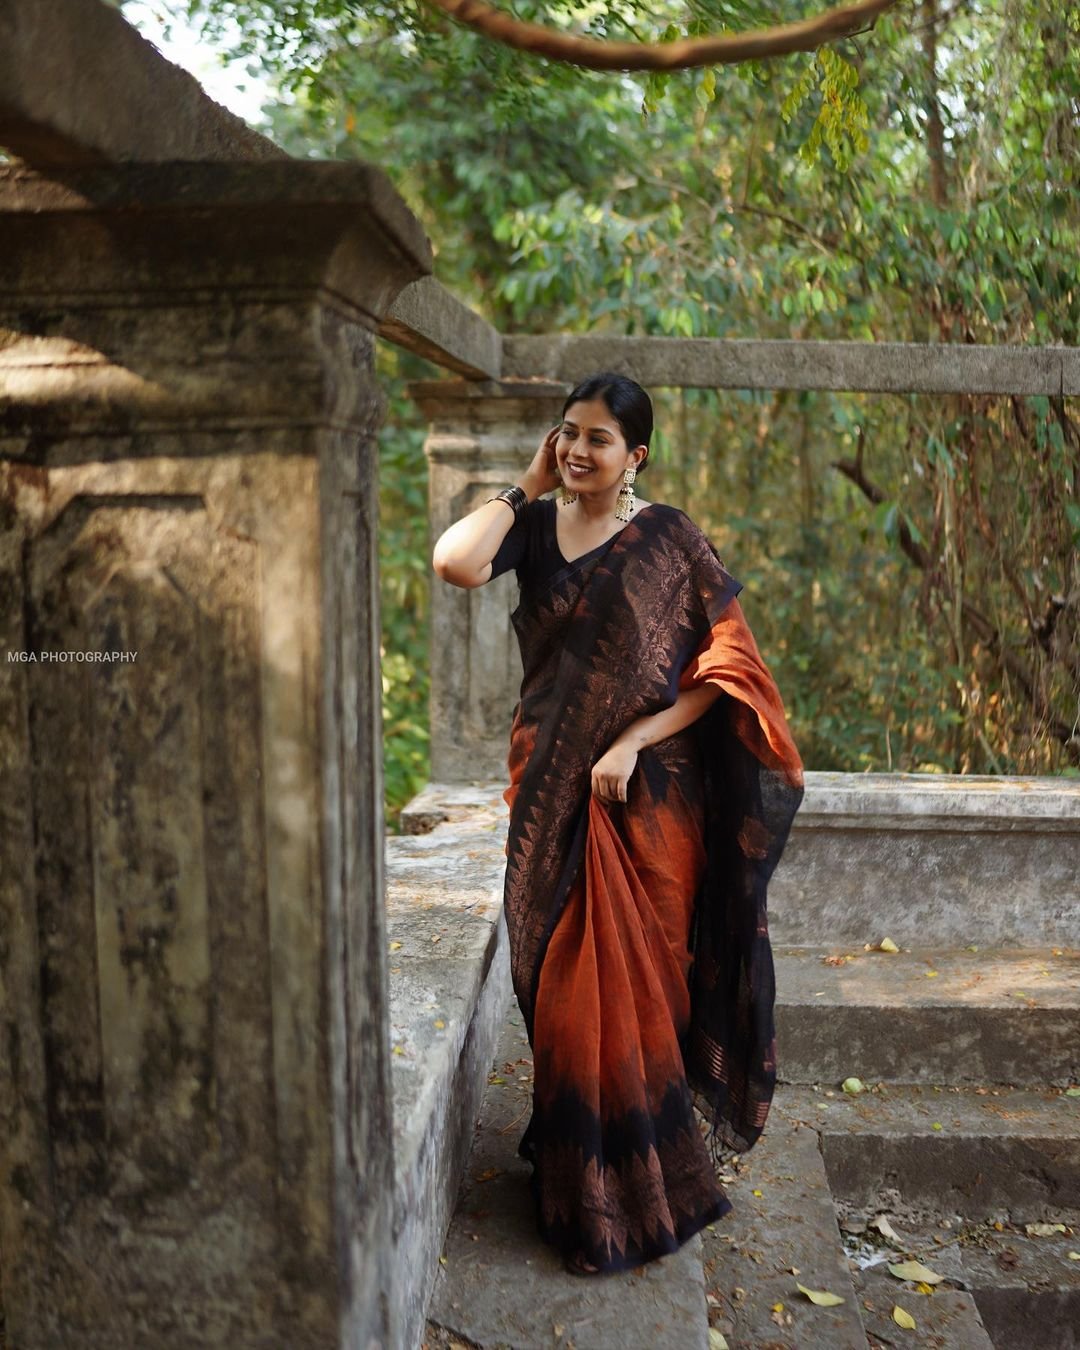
pixel 638 931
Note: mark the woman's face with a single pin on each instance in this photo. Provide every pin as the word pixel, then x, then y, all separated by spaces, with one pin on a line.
pixel 591 450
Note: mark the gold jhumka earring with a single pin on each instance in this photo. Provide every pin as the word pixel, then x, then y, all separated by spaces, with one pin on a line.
pixel 624 506
pixel 568 496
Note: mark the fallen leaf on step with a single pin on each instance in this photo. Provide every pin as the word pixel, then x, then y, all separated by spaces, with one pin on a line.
pixel 558 1328
pixel 822 1297
pixel 717 1339
pixel 1072 1092
pixel 853 1086
pixel 884 1227
pixel 1074 1256
pixel 1043 1229
pixel 902 1318
pixel 887 945
pixel 914 1270
pixel 396 946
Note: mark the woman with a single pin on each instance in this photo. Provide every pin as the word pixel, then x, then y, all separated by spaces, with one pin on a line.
pixel 653 781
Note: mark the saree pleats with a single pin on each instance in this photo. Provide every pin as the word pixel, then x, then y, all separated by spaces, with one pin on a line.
pixel 622 1173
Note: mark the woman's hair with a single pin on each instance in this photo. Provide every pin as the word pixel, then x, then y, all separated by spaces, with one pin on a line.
pixel 627 402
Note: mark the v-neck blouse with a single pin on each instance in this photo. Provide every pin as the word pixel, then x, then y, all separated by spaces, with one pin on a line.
pixel 531 546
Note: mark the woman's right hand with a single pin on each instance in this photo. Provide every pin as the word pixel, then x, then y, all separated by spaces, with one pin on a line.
pixel 542 475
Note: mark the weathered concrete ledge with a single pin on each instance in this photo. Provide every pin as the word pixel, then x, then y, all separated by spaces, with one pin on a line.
pixel 80 85
pixel 931 859
pixel 782 363
pixel 428 320
pixel 187 296
pixel 449 992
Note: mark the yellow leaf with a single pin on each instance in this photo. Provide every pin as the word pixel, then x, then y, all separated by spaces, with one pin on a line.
pixel 853 1086
pixel 778 1307
pixel 937 1125
pixel 440 1025
pixel 396 946
pixel 902 1318
pixel 350 122
pixel 758 1192
pixel 887 945
pixel 442 1260
pixel 717 1339
pixel 1074 1256
pixel 821 1297
pixel 913 1270
pixel 1043 1229
pixel 399 1049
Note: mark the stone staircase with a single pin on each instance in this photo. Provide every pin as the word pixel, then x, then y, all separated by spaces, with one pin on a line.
pixel 963 1136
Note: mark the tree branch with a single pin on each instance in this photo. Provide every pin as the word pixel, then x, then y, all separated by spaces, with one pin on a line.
pixel 596 54
pixel 984 627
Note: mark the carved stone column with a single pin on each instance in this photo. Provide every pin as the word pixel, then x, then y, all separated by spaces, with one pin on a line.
pixel 194 1087
pixel 483 434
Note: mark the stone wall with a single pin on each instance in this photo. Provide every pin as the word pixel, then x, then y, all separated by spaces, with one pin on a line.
pixel 195 1101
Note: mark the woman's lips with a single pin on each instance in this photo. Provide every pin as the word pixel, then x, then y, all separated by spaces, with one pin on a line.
pixel 578 471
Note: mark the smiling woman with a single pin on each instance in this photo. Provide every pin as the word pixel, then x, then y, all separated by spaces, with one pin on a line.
pixel 653 781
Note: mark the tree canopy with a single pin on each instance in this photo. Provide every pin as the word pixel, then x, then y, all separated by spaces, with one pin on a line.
pixel 910 562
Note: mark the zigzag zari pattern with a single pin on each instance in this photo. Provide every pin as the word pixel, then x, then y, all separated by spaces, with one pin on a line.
pixel 626 1192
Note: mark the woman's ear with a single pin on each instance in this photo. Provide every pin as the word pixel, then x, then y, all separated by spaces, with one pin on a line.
pixel 641 454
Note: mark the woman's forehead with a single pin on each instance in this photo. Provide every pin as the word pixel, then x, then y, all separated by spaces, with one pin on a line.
pixel 592 416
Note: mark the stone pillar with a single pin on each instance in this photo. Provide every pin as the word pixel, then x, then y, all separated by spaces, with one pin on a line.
pixel 483 434
pixel 194 1086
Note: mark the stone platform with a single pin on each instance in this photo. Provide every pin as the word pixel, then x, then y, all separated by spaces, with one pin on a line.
pixel 964 1136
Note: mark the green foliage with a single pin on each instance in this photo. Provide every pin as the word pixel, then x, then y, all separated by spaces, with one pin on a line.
pixel 404 562
pixel 929 618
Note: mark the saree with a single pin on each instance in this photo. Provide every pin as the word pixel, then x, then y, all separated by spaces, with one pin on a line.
pixel 638 930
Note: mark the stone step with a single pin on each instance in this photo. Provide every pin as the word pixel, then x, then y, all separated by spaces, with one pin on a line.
pixel 1020 1282
pixel 781 1232
pixel 980 1153
pixel 501 1285
pixel 998 1283
pixel 928 1015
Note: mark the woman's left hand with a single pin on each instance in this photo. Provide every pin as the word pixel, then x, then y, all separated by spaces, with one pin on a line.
pixel 611 773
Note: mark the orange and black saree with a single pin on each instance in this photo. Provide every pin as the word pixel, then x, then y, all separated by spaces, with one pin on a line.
pixel 638 931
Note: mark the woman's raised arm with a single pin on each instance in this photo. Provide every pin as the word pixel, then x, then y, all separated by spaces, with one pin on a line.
pixel 463 553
